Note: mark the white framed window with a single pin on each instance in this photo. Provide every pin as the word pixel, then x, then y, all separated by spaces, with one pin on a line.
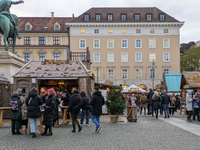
pixel 138 73
pixel 110 73
pixel 152 30
pixel 166 31
pixel 138 43
pixel 166 57
pixel 152 73
pixel 96 73
pixel 124 43
pixel 124 57
pixel 28 27
pixel 124 73
pixel 110 43
pixel 166 43
pixel 82 43
pixel 57 27
pixel 166 70
pixel 152 43
pixel 41 56
pixel 96 57
pixel 110 31
pixel 138 57
pixel 96 43
pixel 96 31
pixel 56 56
pixel 124 31
pixel 82 31
pixel 27 57
pixel 138 31
pixel 110 57
pixel 152 56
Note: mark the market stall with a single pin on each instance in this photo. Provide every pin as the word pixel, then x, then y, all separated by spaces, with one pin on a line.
pixel 57 74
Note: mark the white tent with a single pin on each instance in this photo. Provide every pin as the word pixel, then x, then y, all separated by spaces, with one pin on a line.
pixel 133 88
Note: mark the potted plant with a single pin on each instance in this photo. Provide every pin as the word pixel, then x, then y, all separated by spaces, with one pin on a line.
pixel 115 104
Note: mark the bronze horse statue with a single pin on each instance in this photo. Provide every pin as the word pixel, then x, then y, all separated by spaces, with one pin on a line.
pixel 9 23
pixel 7 29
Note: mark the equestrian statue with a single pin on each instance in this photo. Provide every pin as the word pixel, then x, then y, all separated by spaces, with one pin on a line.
pixel 9 23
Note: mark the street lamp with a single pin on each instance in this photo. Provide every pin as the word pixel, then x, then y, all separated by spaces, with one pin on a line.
pixel 153 66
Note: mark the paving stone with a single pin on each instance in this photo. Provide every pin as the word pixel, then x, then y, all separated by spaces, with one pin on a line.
pixel 148 133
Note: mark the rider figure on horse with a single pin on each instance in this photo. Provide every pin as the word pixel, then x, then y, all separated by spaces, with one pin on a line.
pixel 5 10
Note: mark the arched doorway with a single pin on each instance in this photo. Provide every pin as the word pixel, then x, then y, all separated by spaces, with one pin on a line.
pixel 158 87
pixel 124 86
pixel 142 86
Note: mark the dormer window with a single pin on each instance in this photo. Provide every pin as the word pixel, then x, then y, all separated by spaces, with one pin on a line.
pixel 98 17
pixel 137 17
pixel 110 17
pixel 57 27
pixel 86 17
pixel 162 17
pixel 123 17
pixel 149 17
pixel 28 27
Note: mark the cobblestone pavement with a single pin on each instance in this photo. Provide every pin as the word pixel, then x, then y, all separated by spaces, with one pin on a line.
pixel 148 133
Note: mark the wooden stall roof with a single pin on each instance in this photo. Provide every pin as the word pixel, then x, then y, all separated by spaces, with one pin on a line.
pixel 3 79
pixel 53 69
pixel 191 78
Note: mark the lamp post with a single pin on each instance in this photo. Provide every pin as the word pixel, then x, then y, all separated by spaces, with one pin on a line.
pixel 153 66
pixel 97 74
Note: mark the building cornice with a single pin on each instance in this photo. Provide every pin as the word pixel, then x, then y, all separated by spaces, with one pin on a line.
pixel 128 24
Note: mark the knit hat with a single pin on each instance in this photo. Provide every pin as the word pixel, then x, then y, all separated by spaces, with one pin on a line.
pixel 34 89
pixel 189 92
pixel 19 90
pixel 75 91
pixel 82 94
pixel 15 94
pixel 142 93
pixel 50 91
pixel 96 88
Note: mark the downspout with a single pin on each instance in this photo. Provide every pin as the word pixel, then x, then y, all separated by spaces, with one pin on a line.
pixel 69 37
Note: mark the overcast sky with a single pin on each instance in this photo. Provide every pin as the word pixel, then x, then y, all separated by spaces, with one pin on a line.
pixel 182 10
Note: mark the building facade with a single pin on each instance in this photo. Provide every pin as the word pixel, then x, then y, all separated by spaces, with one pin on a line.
pixel 42 38
pixel 124 42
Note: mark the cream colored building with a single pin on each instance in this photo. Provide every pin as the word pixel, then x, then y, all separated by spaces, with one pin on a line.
pixel 123 43
pixel 42 38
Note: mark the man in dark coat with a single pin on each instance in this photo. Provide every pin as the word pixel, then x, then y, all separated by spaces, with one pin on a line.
pixel 65 98
pixel 97 101
pixel 165 102
pixel 16 115
pixel 74 108
pixel 48 114
pixel 85 105
pixel 150 102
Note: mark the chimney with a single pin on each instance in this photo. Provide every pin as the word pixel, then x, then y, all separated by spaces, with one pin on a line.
pixel 72 15
pixel 52 15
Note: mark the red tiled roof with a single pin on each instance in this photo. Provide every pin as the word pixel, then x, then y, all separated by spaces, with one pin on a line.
pixel 130 11
pixel 39 23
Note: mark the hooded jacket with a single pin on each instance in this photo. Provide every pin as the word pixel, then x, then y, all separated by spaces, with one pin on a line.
pixel 75 103
pixel 156 100
pixel 85 102
pixel 97 101
pixel 33 109
pixel 16 115
pixel 66 100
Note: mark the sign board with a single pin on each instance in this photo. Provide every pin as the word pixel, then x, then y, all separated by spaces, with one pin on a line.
pixel 104 108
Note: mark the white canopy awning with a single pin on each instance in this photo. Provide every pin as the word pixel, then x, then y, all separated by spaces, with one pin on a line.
pixel 133 88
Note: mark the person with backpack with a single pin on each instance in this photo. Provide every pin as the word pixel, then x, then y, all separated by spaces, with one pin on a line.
pixel 195 107
pixel 15 113
pixel 85 108
pixel 74 108
pixel 56 113
pixel 49 107
pixel 143 101
pixel 33 102
pixel 165 103
pixel 150 102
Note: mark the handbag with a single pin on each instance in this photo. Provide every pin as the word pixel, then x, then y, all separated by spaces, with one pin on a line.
pixel 195 105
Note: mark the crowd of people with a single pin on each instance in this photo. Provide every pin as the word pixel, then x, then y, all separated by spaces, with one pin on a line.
pixel 49 102
pixel 155 102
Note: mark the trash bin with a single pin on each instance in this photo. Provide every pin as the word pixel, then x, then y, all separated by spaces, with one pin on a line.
pixel 132 113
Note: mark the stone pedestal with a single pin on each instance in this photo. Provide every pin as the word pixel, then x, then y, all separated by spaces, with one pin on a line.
pixel 10 63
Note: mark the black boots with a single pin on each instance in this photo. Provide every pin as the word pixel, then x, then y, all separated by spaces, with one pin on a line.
pixel 50 132
pixel 33 135
pixel 45 131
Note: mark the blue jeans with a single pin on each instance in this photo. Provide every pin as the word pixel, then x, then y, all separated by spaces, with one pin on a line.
pixel 138 106
pixel 166 110
pixel 87 112
pixel 96 120
pixel 33 124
